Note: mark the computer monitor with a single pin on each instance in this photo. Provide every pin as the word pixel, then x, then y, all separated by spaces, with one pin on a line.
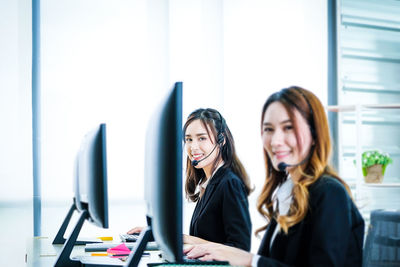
pixel 90 192
pixel 90 185
pixel 165 194
pixel 163 180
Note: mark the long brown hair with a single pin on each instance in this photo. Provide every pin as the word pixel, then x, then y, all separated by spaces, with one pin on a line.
pixel 213 120
pixel 309 106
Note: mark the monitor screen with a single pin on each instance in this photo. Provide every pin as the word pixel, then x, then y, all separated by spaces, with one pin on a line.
pixel 90 192
pixel 163 180
pixel 90 184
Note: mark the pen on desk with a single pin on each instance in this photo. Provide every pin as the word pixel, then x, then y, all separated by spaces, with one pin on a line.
pixel 120 255
pixel 123 255
pixel 99 254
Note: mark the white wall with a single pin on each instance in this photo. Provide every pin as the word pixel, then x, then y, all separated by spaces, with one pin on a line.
pixel 110 61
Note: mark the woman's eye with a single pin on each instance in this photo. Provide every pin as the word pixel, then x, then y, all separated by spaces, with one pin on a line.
pixel 288 127
pixel 268 129
pixel 188 140
pixel 202 138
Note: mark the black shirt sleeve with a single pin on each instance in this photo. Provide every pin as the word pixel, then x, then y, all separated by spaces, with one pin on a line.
pixel 236 217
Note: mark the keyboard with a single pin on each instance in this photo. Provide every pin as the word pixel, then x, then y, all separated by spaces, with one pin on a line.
pixel 105 246
pixel 199 262
pixel 128 238
pixel 187 261
pixel 191 263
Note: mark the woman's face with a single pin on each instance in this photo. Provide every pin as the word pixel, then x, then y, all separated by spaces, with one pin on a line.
pixel 279 136
pixel 199 145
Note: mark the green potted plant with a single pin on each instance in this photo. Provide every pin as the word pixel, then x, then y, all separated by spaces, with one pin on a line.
pixel 374 165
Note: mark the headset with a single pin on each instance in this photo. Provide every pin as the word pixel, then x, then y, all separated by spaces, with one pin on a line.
pixel 220 135
pixel 220 138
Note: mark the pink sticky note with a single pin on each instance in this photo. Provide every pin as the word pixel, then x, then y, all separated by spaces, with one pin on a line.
pixel 120 249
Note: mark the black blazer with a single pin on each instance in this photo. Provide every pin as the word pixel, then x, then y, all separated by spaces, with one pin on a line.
pixel 331 234
pixel 222 213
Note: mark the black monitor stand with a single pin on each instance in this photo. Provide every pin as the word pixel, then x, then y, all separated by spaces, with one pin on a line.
pixel 59 239
pixel 64 259
pixel 146 235
pixel 133 260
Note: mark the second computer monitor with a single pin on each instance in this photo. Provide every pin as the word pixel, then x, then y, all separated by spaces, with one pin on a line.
pixel 163 174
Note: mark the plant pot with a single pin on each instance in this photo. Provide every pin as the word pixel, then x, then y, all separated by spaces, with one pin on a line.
pixel 374 174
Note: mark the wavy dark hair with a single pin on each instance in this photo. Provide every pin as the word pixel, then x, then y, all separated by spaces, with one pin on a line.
pixel 309 106
pixel 213 121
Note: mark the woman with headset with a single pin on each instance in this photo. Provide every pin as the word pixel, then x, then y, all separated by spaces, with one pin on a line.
pixel 312 219
pixel 217 181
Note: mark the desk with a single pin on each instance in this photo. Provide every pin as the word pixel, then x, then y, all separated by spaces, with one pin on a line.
pixel 42 253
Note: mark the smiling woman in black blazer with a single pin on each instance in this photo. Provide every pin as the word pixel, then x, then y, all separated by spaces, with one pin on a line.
pixel 312 220
pixel 217 181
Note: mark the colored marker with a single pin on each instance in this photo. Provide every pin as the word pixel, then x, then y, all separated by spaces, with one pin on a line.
pixel 105 238
pixel 99 254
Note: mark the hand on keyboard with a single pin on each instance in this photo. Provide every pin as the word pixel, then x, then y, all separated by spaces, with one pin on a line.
pixel 135 230
pixel 129 238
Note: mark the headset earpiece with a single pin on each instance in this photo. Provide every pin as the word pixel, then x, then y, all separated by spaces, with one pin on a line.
pixel 220 138
pixel 220 134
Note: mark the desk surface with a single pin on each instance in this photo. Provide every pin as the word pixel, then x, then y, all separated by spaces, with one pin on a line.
pixel 41 252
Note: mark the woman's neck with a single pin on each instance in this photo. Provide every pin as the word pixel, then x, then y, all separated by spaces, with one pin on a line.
pixel 208 172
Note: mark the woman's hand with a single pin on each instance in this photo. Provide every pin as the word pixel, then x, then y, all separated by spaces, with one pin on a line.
pixel 214 251
pixel 192 240
pixel 135 230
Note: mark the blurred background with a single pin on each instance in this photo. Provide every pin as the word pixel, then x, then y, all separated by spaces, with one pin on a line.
pixel 112 61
